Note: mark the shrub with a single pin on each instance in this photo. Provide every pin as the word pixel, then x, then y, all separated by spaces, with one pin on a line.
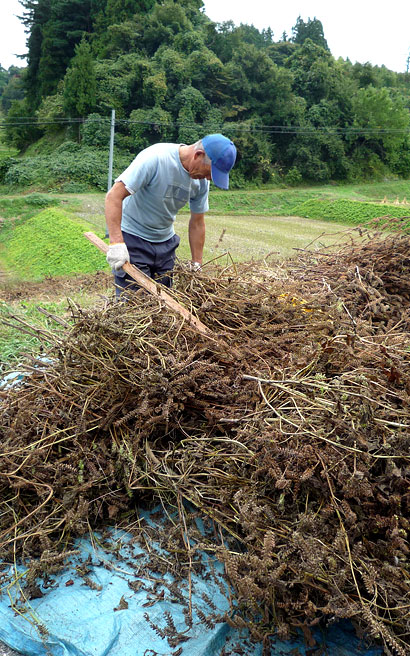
pixel 293 177
pixel 95 131
pixel 68 163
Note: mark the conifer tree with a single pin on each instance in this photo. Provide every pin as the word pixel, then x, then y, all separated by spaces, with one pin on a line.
pixel 80 82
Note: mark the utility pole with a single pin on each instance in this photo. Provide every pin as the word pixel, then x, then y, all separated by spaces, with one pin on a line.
pixel 111 157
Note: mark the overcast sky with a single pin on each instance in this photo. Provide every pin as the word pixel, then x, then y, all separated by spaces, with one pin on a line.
pixel 361 30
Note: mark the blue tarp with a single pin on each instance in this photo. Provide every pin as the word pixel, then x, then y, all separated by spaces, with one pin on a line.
pixel 113 603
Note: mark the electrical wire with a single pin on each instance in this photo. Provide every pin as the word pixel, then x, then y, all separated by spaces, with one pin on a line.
pixel 268 129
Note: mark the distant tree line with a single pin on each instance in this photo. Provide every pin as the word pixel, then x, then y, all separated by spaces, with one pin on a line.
pixel 294 111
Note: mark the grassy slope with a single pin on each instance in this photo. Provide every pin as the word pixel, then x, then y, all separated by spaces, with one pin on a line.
pixel 51 243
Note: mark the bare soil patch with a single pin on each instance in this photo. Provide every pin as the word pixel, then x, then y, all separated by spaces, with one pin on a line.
pixel 55 288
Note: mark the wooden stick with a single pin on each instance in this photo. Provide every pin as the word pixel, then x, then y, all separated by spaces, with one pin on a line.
pixel 153 288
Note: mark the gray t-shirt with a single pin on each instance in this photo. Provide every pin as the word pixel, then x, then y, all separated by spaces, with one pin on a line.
pixel 159 187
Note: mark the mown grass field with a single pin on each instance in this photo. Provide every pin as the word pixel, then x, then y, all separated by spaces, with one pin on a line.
pixel 241 226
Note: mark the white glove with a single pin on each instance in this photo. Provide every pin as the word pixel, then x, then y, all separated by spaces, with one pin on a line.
pixel 117 255
pixel 195 266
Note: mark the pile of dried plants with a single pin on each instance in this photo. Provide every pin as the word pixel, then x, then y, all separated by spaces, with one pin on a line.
pixel 289 430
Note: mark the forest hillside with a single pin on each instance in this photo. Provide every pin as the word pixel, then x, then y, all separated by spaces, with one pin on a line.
pixel 295 112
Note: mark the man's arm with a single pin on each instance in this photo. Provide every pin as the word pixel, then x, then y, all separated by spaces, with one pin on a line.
pixel 196 234
pixel 113 211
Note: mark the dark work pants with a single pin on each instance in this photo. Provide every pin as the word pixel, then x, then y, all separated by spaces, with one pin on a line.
pixel 155 259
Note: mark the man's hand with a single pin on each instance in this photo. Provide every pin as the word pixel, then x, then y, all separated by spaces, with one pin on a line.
pixel 195 266
pixel 117 255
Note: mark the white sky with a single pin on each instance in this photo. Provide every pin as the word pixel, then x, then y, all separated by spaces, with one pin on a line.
pixel 361 30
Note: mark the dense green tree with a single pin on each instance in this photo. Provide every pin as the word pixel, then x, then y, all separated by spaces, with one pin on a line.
pixel 256 154
pixel 80 84
pixel 56 27
pixel 95 131
pixel 21 125
pixel 312 30
pixel 192 102
pixel 381 126
pixel 317 76
pixel 173 64
pixel 121 11
pixel 155 90
pixel 187 42
pixel 50 114
pixel 289 104
pixel 365 74
pixel 281 51
pixel 264 89
pixel 121 38
pixel 35 17
pixel 164 22
pixel 148 126
pixel 4 78
pixel 12 86
pixel 120 83
pixel 208 74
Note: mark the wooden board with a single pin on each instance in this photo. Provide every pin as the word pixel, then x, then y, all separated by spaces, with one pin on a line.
pixel 153 288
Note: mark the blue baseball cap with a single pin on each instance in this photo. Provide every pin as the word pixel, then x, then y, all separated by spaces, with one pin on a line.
pixel 222 153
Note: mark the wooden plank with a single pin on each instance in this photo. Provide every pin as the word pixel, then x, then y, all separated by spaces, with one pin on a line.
pixel 153 288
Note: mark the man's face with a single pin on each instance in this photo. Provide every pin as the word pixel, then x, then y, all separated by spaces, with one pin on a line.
pixel 198 170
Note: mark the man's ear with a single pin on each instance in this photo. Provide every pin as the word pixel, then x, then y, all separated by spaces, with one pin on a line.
pixel 199 153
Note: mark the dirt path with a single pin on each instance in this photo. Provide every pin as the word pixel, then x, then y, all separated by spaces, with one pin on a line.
pixel 53 288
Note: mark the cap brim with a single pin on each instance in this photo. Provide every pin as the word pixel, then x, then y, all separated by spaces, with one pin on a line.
pixel 220 178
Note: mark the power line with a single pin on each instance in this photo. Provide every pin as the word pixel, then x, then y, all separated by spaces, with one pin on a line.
pixel 268 129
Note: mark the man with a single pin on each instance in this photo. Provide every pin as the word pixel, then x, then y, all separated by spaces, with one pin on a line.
pixel 141 206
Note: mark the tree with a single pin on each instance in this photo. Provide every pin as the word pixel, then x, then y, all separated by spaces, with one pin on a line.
pixel 121 11
pixel 37 14
pixel 56 27
pixel 164 22
pixel 80 82
pixel 257 84
pixel 51 112
pixel 95 131
pixel 317 76
pixel 120 83
pixel 155 89
pixel 173 64
pixel 312 30
pixel 149 126
pixel 208 74
pixel 4 78
pixel 381 125
pixel 11 86
pixel 21 130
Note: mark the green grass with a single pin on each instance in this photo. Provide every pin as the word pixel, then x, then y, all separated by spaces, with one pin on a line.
pixel 351 212
pixel 282 202
pixel 51 243
pixel 24 207
pixel 254 238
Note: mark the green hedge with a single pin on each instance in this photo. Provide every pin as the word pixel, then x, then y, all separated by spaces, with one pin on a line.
pixel 52 243
pixel 347 211
pixel 69 163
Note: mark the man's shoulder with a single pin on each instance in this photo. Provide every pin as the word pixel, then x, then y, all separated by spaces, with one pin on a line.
pixel 159 150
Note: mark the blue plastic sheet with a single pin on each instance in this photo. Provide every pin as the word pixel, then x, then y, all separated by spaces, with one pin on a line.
pixel 113 603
